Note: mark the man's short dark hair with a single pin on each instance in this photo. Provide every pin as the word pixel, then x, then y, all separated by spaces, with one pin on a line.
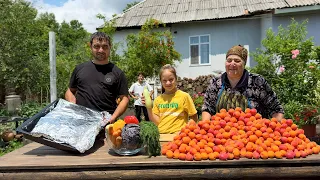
pixel 141 73
pixel 100 36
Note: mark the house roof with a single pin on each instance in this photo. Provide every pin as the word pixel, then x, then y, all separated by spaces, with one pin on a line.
pixel 175 11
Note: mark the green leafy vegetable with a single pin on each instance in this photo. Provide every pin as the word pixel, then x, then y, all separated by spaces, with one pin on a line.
pixel 150 136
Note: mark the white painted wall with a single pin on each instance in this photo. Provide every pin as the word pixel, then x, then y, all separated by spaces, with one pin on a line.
pixel 223 35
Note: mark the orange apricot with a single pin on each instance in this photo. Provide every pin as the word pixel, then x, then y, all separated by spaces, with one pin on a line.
pixel 278 154
pixel 182 156
pixel 169 154
pixel 186 140
pixel 264 155
pixel 315 150
pixel 271 154
pixel 211 156
pixel 197 157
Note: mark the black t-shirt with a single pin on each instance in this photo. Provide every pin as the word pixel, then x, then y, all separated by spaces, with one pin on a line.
pixel 98 86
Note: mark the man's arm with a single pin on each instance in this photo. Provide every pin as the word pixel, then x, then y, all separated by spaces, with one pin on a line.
pixel 132 95
pixel 131 91
pixel 122 107
pixel 70 95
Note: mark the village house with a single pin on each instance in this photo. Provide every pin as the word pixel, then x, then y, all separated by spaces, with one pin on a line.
pixel 204 30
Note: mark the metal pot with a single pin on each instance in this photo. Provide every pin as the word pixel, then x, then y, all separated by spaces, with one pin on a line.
pixel 7 136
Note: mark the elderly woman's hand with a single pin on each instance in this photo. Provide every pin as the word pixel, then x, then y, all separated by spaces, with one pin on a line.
pixel 278 116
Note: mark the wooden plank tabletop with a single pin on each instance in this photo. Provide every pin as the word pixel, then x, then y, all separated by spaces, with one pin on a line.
pixel 52 163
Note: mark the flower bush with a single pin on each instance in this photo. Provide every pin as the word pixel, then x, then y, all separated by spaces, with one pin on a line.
pixel 198 99
pixel 302 114
pixel 290 62
pixel 308 115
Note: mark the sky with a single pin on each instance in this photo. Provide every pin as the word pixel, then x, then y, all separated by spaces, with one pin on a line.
pixel 84 11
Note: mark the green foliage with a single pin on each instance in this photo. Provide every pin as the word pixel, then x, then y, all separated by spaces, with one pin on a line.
pixel 290 63
pixel 15 144
pixel 129 5
pixel 17 22
pixel 148 50
pixel 24 50
pixel 150 136
pixel 30 109
pixel 198 100
pixel 4 112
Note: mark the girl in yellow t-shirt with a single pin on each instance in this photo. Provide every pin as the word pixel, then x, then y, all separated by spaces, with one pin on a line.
pixel 172 109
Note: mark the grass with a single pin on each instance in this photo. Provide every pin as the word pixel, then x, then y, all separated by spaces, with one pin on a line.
pixel 13 145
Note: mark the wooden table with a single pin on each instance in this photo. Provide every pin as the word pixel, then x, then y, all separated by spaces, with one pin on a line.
pixel 35 161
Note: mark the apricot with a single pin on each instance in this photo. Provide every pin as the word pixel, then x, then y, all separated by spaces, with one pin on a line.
pixel 290 155
pixel 197 157
pixel 264 155
pixel 271 154
pixel 255 155
pixel 278 154
pixel 169 154
pixel 223 156
pixel 315 150
pixel 189 157
pixel 212 156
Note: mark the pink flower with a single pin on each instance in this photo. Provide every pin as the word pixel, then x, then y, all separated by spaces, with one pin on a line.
pixel 311 67
pixel 281 69
pixel 295 52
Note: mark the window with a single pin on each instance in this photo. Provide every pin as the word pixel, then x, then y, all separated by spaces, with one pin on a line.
pixel 199 50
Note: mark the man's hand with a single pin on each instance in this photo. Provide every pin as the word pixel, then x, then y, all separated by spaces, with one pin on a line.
pixel 122 106
pixel 143 100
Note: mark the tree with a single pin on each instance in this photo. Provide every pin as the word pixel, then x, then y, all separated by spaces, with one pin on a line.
pixel 24 50
pixel 17 22
pixel 290 63
pixel 129 5
pixel 149 50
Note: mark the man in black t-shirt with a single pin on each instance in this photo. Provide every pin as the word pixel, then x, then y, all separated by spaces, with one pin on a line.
pixel 97 84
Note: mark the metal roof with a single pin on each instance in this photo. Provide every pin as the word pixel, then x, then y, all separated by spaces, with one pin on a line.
pixel 175 11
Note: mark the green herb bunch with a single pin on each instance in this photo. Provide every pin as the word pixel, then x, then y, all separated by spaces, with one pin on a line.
pixel 150 136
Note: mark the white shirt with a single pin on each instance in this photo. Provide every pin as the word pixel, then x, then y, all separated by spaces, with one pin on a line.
pixel 137 89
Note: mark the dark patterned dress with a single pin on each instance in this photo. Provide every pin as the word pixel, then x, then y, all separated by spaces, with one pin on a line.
pixel 252 91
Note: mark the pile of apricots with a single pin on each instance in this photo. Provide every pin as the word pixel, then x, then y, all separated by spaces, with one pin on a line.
pixel 233 134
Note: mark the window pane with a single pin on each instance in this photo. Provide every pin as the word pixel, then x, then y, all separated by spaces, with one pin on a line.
pixel 194 49
pixel 194 40
pixel 204 48
pixel 204 39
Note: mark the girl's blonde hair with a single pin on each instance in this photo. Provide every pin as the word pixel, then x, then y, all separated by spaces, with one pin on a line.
pixel 171 69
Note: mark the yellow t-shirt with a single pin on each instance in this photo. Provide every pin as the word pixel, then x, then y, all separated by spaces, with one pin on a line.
pixel 173 110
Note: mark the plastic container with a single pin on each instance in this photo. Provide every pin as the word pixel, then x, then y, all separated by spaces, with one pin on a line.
pixel 123 149
pixel 26 128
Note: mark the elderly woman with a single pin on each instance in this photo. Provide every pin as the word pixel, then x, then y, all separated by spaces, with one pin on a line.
pixel 239 88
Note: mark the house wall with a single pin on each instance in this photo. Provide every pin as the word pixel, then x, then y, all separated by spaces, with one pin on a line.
pixel 313 26
pixel 120 37
pixel 223 35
